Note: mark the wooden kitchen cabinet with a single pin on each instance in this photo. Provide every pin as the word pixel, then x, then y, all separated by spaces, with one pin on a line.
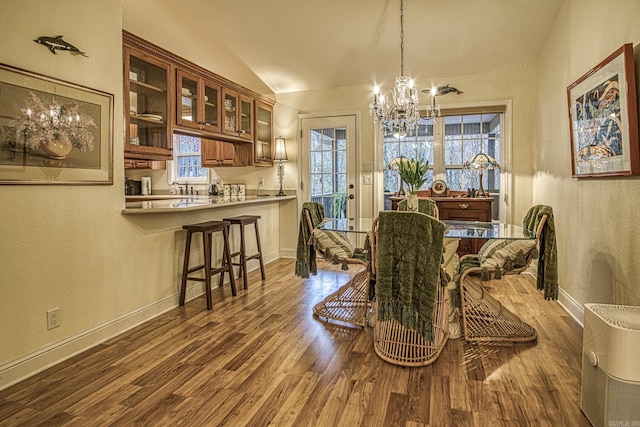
pixel 148 104
pixel 166 94
pixel 216 153
pixel 263 145
pixel 198 102
pixel 237 114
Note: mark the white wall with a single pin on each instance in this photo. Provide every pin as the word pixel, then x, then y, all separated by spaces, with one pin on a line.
pixel 596 219
pixel 69 246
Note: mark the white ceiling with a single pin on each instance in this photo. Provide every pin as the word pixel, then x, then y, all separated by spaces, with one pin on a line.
pixel 282 46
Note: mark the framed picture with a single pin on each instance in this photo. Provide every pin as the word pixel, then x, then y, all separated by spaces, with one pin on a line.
pixel 53 132
pixel 603 119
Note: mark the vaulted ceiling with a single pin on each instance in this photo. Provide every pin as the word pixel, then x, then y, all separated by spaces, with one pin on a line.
pixel 277 46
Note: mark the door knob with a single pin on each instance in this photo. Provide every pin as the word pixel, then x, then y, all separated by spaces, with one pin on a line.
pixel 351 196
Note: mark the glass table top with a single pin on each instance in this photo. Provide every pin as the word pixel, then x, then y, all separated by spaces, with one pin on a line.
pixel 453 229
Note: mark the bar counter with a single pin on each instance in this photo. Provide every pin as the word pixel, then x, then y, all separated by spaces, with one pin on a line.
pixel 174 204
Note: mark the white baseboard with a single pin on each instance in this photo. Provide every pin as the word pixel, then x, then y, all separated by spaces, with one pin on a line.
pixel 571 306
pixel 287 253
pixel 566 301
pixel 33 363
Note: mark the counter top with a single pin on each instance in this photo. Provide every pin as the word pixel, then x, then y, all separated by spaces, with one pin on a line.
pixel 151 204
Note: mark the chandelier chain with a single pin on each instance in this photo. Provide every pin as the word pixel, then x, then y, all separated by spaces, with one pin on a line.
pixel 398 111
pixel 402 37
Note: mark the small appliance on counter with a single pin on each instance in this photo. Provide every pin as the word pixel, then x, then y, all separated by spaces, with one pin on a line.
pixel 132 188
pixel 146 185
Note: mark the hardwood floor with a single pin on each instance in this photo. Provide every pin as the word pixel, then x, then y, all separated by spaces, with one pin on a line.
pixel 261 358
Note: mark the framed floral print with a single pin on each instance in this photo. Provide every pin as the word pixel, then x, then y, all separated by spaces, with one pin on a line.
pixel 53 132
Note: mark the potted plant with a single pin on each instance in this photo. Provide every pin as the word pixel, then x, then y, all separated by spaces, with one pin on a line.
pixel 414 173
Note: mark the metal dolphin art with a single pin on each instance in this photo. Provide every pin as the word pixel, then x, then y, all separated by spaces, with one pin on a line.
pixel 53 43
pixel 443 90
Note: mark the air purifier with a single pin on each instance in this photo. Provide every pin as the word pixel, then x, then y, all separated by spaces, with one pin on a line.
pixel 610 391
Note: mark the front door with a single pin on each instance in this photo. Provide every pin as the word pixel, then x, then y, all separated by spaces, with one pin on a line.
pixel 328 166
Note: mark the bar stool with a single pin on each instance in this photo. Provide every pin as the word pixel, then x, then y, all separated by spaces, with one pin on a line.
pixel 207 229
pixel 242 221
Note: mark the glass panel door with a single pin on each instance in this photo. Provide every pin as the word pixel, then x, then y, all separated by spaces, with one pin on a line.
pixel 329 165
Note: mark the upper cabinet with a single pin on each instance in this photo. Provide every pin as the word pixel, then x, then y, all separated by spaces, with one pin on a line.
pixel 237 114
pixel 263 145
pixel 198 101
pixel 166 94
pixel 147 83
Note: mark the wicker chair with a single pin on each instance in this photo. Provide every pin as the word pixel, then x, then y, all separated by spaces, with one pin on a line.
pixel 406 347
pixel 425 205
pixel 484 318
pixel 350 303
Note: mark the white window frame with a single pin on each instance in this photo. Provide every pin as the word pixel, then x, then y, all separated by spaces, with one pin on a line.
pixel 506 151
pixel 173 167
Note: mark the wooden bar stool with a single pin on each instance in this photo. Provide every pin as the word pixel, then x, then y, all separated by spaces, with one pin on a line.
pixel 207 229
pixel 242 221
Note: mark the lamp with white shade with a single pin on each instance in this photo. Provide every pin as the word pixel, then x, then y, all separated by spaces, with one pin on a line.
pixel 280 156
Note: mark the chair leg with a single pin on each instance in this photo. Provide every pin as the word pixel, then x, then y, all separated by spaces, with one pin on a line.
pixel 264 277
pixel 226 259
pixel 242 262
pixel 185 268
pixel 206 243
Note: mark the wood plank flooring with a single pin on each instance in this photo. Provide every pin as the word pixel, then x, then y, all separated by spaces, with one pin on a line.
pixel 261 358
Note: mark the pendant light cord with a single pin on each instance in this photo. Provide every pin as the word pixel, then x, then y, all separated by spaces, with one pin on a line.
pixel 402 37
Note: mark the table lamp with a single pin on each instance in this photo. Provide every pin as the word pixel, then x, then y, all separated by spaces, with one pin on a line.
pixel 280 156
pixel 481 162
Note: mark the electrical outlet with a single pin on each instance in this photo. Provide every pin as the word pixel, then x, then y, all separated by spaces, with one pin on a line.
pixel 261 180
pixel 53 318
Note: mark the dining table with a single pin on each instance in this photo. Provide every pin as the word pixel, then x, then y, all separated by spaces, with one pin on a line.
pixel 351 303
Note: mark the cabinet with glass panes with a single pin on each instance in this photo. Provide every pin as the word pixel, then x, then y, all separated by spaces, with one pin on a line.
pixel 148 99
pixel 237 116
pixel 197 103
pixel 263 145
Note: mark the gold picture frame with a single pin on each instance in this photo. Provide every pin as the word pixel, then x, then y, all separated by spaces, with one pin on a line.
pixel 53 131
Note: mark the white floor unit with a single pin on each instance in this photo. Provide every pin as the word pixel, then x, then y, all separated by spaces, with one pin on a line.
pixel 611 365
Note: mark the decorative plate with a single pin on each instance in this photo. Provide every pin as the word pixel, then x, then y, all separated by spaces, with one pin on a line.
pixel 438 187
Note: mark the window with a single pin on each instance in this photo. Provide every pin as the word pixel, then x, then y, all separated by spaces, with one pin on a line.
pixel 464 137
pixel 329 170
pixel 456 137
pixel 186 165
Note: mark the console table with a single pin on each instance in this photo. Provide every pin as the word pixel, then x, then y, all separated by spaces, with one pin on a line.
pixel 458 207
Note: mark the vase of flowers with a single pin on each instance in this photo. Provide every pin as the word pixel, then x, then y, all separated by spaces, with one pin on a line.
pixel 414 173
pixel 55 129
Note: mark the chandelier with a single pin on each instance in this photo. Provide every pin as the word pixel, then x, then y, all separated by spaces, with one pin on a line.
pixel 398 111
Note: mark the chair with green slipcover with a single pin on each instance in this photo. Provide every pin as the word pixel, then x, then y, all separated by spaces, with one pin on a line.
pixel 411 324
pixel 425 205
pixel 484 317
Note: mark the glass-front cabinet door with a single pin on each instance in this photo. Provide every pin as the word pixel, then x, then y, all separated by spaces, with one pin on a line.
pixel 230 112
pixel 211 101
pixel 197 102
pixel 147 100
pixel 263 145
pixel 187 97
pixel 246 118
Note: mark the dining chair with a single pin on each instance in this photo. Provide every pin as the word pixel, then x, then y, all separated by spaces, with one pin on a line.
pixel 410 325
pixel 484 317
pixel 425 205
